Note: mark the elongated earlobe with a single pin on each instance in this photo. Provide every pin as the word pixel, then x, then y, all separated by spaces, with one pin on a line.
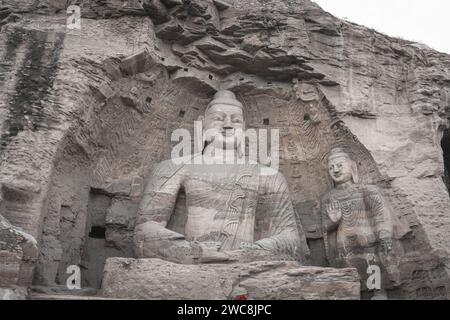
pixel 241 148
pixel 355 175
pixel 204 143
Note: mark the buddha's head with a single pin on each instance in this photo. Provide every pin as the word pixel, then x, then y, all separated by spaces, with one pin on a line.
pixel 223 123
pixel 341 167
pixel 305 92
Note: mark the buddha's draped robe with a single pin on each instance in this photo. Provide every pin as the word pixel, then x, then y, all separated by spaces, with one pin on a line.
pixel 366 218
pixel 226 204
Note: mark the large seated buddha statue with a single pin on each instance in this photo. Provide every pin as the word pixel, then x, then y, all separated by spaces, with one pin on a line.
pixel 235 209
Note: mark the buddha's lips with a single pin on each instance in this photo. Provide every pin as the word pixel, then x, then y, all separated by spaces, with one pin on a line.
pixel 228 133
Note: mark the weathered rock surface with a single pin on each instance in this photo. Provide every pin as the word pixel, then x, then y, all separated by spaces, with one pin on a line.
pixel 157 279
pixel 86 114
pixel 9 268
pixel 13 293
pixel 18 255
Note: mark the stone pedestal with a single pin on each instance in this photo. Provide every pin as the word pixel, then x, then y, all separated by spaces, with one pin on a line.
pixel 154 279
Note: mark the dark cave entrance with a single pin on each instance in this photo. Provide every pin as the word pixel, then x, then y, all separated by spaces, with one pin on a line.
pixel 445 143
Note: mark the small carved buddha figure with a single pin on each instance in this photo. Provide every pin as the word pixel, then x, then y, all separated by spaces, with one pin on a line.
pixel 232 212
pixel 359 229
pixel 310 128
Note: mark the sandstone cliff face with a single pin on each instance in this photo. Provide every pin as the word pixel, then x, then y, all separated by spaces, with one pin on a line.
pixel 85 115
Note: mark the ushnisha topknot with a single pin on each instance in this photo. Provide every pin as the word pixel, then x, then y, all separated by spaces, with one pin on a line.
pixel 338 153
pixel 225 97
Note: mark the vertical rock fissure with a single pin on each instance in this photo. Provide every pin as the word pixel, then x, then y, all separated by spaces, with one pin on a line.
pixel 445 143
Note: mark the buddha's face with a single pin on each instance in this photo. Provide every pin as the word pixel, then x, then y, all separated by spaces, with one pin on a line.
pixel 224 125
pixel 306 92
pixel 340 170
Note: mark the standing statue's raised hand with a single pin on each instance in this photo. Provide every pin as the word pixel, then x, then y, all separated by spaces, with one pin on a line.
pixel 334 211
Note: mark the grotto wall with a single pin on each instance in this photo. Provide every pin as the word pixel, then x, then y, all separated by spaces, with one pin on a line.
pixel 86 114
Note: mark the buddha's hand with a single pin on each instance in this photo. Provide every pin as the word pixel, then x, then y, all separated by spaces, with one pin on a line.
pixel 386 242
pixel 211 254
pixel 183 251
pixel 153 240
pixel 334 211
pixel 251 253
pixel 250 246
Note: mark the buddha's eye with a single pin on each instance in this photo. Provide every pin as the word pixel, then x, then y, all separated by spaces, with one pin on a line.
pixel 237 120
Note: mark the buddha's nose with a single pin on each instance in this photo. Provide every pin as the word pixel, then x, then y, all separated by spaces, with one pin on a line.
pixel 227 124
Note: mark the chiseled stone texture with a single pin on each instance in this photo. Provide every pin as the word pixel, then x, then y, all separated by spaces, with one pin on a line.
pixel 13 293
pixel 84 112
pixel 9 268
pixel 158 279
pixel 18 254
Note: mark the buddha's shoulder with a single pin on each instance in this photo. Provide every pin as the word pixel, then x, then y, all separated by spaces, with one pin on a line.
pixel 271 175
pixel 166 164
pixel 370 190
pixel 170 165
pixel 353 191
pixel 326 196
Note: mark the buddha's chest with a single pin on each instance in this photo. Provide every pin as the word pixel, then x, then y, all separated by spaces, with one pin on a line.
pixel 222 188
pixel 221 204
pixel 352 207
pixel 220 179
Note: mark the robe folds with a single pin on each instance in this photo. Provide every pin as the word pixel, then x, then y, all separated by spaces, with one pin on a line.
pixel 366 218
pixel 229 205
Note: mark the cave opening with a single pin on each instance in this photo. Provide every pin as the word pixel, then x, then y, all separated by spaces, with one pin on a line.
pixel 97 232
pixel 445 143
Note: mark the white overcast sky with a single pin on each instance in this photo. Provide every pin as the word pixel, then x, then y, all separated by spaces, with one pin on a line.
pixel 426 21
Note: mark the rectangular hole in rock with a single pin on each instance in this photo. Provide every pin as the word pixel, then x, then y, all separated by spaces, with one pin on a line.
pixel 97 232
